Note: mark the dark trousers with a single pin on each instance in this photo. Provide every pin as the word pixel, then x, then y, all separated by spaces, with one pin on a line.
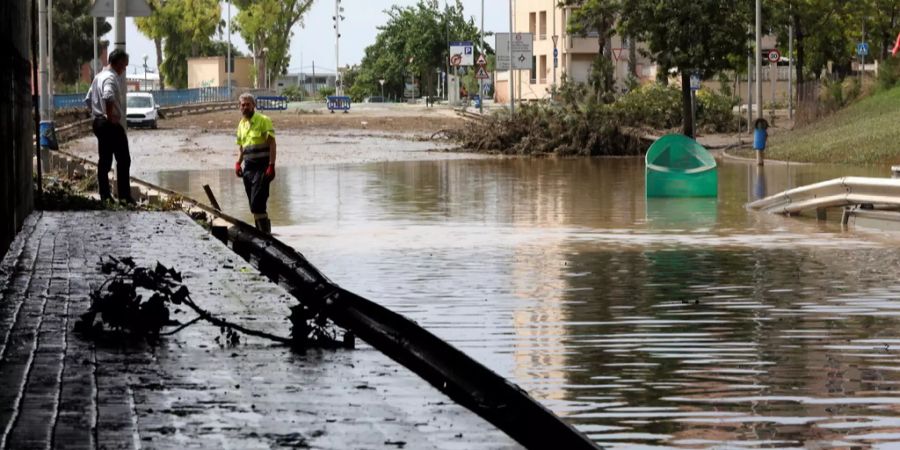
pixel 257 186
pixel 111 141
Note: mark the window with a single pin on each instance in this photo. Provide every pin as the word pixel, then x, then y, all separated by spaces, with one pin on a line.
pixel 532 25
pixel 542 69
pixel 543 26
pixel 532 71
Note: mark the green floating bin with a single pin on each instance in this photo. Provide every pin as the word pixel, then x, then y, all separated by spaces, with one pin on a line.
pixel 677 166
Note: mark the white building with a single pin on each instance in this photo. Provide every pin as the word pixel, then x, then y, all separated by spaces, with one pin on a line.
pixel 544 19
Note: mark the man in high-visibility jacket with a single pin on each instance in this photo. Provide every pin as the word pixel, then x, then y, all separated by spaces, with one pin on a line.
pixel 256 159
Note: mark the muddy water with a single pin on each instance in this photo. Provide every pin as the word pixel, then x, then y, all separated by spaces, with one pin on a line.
pixel 679 323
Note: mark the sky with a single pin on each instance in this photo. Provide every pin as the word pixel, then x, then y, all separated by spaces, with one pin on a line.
pixel 314 40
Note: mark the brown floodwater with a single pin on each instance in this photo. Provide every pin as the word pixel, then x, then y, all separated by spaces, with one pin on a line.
pixel 665 323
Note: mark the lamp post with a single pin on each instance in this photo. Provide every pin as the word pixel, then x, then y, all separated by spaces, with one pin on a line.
pixel 145 71
pixel 265 65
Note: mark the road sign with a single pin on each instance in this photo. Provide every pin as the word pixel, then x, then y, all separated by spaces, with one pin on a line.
pixel 555 39
pixel 773 55
pixel 481 61
pixel 482 74
pixel 862 49
pixel 555 52
pixel 617 53
pixel 695 82
pixel 133 8
pixel 555 62
pixel 522 50
pixel 462 52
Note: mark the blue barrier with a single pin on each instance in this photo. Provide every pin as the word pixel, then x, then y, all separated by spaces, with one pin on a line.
pixel 176 97
pixel 338 103
pixel 268 103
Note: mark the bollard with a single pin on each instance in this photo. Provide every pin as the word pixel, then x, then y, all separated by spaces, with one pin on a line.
pixel 760 135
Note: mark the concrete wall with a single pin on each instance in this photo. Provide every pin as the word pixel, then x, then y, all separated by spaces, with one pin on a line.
pixel 16 123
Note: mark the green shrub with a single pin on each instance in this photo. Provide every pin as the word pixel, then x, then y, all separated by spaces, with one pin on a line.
pixel 326 91
pixel 293 93
pixel 889 73
pixel 715 112
pixel 653 105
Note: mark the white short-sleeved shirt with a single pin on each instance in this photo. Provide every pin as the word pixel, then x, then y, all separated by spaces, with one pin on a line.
pixel 106 86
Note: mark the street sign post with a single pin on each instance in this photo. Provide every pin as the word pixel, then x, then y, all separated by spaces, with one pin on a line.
pixel 522 50
pixel 482 74
pixel 773 55
pixel 695 82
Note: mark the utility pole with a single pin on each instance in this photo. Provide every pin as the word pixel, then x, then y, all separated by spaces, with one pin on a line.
pixel 339 85
pixel 480 80
pixel 759 112
pixel 862 55
pixel 749 94
pixel 791 71
pixel 228 55
pixel 42 59
pixel 447 62
pixel 51 74
pixel 512 91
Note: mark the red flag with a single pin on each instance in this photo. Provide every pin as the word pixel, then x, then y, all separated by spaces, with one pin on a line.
pixel 896 46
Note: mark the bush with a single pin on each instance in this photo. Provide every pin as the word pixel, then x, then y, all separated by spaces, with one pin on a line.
pixel 294 93
pixel 715 112
pixel 326 91
pixel 889 73
pixel 653 105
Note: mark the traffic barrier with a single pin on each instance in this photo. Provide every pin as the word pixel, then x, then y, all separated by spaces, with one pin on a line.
pixel 272 103
pixel 838 192
pixel 174 97
pixel 338 103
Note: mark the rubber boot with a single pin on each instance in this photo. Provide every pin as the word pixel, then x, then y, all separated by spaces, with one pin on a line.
pixel 264 225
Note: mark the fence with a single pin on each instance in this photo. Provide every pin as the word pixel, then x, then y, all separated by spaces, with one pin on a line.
pixel 175 97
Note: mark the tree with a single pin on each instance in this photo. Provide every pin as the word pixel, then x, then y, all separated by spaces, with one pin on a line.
pixel 596 16
pixel 73 39
pixel 266 26
pixel 184 27
pixel 688 35
pixel 413 43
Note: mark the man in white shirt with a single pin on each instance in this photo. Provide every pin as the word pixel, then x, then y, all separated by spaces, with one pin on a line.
pixel 106 98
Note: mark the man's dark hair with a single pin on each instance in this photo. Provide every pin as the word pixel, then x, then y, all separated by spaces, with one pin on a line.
pixel 117 55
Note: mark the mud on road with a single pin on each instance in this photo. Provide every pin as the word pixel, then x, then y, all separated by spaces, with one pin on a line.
pixel 368 134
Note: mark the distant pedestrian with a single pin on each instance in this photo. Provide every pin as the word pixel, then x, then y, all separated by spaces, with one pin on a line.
pixel 256 159
pixel 105 99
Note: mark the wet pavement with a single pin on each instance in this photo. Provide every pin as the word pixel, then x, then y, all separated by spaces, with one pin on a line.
pixel 59 390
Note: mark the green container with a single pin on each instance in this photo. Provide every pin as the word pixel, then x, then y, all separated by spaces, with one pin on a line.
pixel 677 166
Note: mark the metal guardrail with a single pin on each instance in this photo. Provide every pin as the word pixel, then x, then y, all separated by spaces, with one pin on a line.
pixel 174 97
pixel 838 192
pixel 272 103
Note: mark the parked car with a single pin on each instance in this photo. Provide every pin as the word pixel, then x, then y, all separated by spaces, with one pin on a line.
pixel 141 110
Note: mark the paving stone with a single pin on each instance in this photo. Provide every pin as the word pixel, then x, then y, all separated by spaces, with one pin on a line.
pixel 62 391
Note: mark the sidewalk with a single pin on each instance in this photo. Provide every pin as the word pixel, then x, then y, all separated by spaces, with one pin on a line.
pixel 58 390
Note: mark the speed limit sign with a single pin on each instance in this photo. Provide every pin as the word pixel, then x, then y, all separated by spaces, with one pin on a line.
pixel 774 55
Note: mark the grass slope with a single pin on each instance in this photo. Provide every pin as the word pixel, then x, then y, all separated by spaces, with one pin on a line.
pixel 866 132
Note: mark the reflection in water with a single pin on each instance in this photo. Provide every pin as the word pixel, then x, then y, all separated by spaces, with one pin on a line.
pixel 759 183
pixel 661 324
pixel 688 213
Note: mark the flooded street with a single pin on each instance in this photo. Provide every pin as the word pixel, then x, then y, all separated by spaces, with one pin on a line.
pixel 669 323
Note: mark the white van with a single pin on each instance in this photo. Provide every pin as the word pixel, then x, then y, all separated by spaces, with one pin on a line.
pixel 141 109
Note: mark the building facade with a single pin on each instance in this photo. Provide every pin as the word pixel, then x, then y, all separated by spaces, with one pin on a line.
pixel 308 83
pixel 547 21
pixel 210 72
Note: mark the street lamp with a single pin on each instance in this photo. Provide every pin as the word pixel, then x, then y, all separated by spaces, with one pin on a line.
pixel 145 71
pixel 265 65
pixel 381 81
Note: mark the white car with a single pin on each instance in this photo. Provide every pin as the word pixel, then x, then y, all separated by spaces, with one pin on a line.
pixel 141 109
